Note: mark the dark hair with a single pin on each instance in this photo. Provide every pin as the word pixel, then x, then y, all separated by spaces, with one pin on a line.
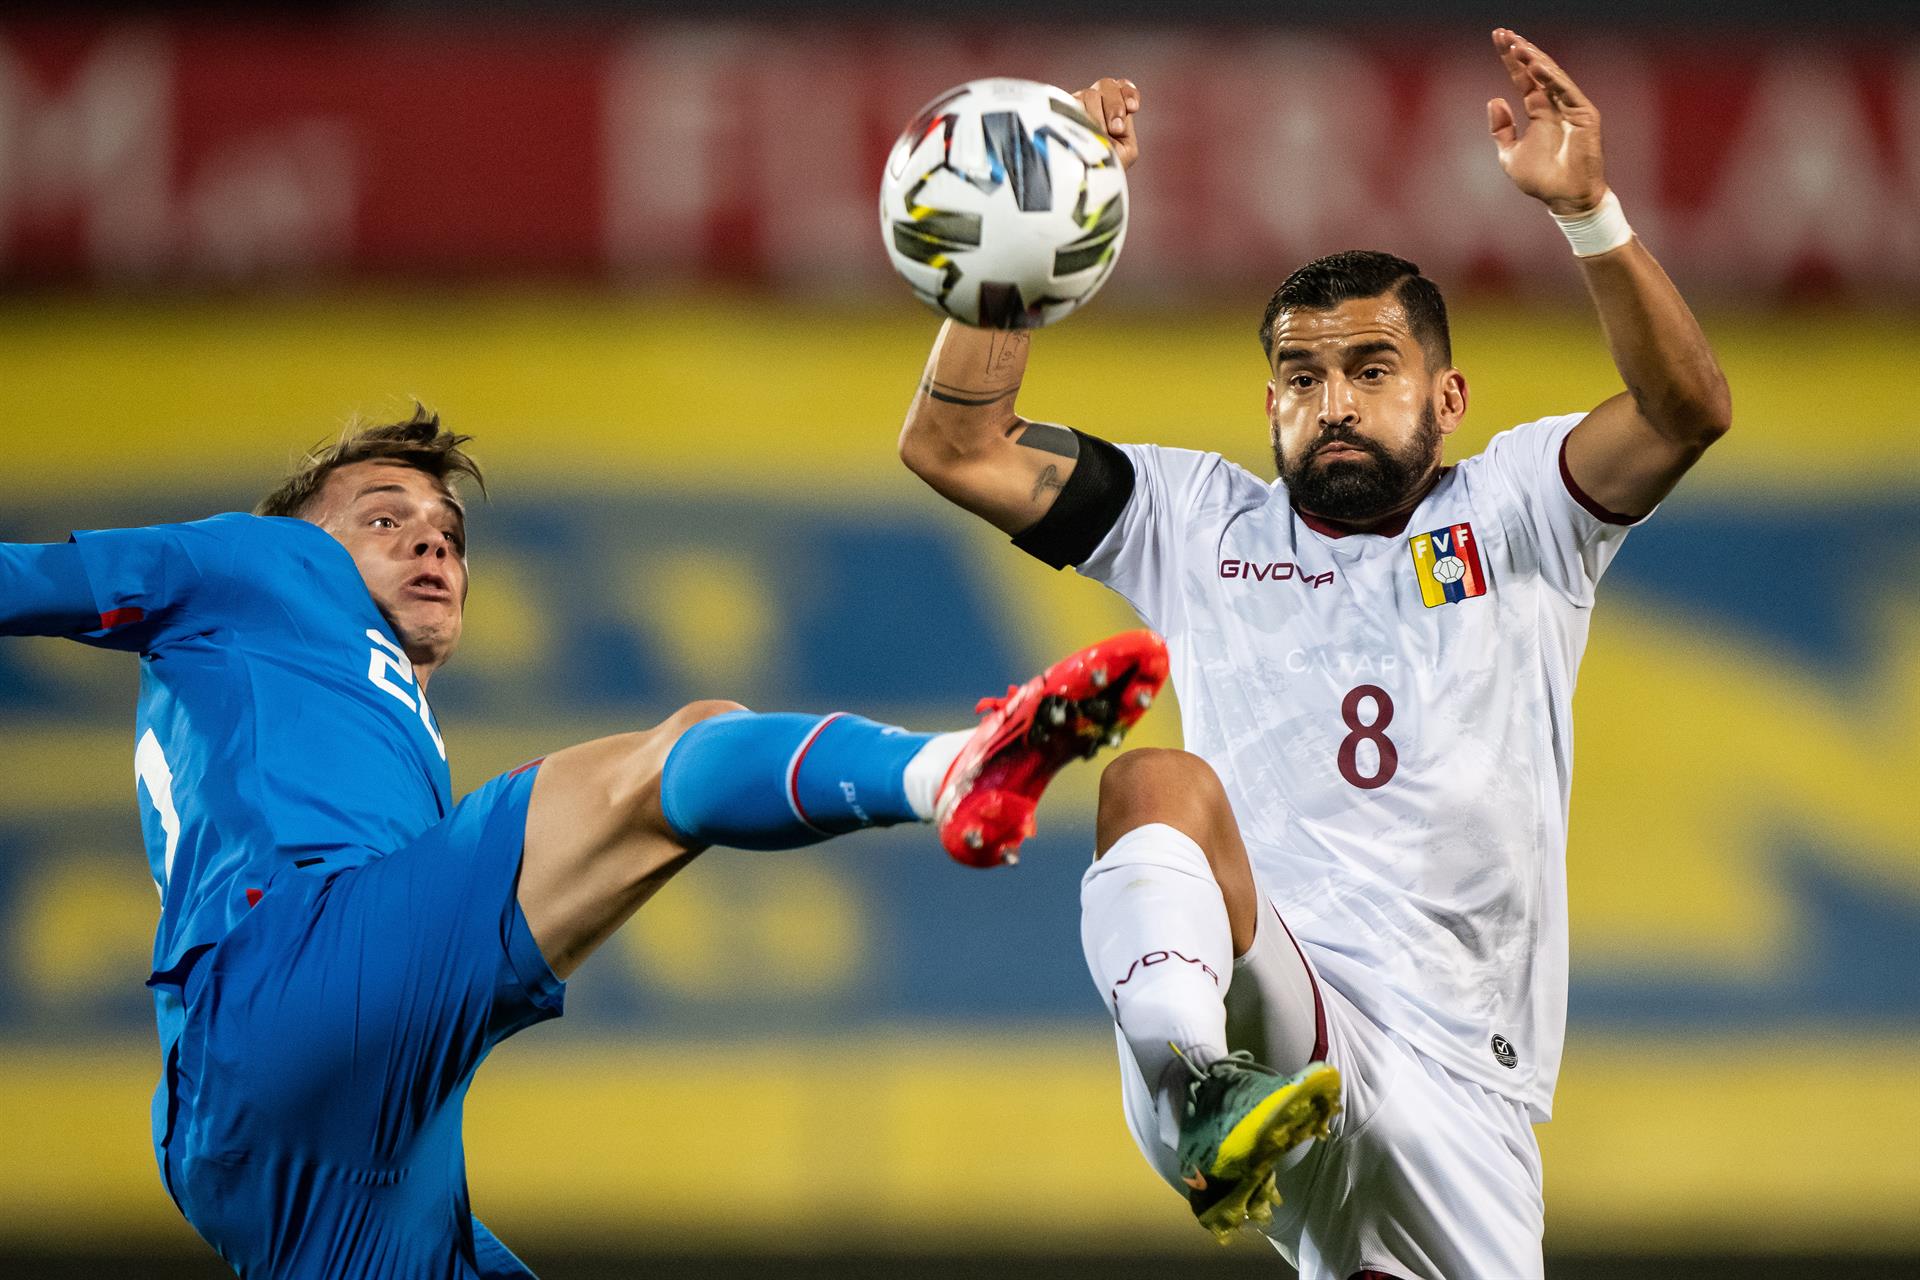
pixel 418 442
pixel 1365 273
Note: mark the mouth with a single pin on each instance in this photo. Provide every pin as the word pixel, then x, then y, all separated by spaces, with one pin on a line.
pixel 428 586
pixel 1340 450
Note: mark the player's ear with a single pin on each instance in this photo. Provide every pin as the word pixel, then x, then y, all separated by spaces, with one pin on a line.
pixel 1273 399
pixel 1450 400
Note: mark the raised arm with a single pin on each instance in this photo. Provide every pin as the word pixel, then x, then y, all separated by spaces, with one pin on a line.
pixel 1632 449
pixel 128 589
pixel 44 591
pixel 963 437
pixel 962 434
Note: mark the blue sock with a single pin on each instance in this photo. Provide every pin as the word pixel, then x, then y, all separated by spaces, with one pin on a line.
pixel 782 781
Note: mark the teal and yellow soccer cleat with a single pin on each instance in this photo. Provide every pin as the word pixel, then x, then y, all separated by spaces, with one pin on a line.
pixel 1239 1119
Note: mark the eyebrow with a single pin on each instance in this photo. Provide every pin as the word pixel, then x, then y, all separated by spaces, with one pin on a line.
pixel 1359 351
pixel 459 512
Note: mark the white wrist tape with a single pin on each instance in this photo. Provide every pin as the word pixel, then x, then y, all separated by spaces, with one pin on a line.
pixel 1599 231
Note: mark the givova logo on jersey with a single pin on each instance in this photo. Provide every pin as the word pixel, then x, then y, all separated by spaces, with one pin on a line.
pixel 1446 563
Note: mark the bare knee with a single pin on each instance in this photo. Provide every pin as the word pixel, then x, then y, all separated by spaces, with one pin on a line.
pixel 629 770
pixel 1182 791
pixel 1153 784
pixel 598 844
pixel 693 713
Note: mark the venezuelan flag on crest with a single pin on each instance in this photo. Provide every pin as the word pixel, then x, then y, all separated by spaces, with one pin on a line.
pixel 1446 563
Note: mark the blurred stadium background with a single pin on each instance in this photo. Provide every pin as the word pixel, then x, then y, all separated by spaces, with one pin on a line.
pixel 633 249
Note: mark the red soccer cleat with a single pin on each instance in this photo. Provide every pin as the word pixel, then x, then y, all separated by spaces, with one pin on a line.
pixel 1068 712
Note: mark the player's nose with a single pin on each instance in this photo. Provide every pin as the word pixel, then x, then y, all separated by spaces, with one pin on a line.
pixel 1337 406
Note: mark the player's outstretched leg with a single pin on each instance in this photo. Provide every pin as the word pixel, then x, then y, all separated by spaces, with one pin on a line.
pixel 612 820
pixel 1171 918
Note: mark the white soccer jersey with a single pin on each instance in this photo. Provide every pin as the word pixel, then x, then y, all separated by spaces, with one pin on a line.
pixel 1391 717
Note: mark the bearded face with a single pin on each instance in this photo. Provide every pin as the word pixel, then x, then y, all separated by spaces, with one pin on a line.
pixel 1355 409
pixel 1345 476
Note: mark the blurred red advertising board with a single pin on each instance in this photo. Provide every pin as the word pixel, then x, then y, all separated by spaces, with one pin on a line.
pixel 157 153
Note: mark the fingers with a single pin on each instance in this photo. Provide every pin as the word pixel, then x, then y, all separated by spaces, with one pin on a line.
pixel 1544 71
pixel 1112 102
pixel 1089 100
pixel 1506 44
pixel 1500 123
pixel 1534 98
pixel 1559 86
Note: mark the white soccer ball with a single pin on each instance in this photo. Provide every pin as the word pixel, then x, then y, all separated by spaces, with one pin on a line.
pixel 1449 569
pixel 1003 204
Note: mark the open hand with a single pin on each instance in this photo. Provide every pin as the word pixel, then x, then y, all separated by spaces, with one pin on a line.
pixel 1558 159
pixel 1111 103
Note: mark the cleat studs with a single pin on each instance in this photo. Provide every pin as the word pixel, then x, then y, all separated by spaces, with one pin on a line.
pixel 1114 738
pixel 1012 860
pixel 1057 714
pixel 1143 699
pixel 1099 677
pixel 974 840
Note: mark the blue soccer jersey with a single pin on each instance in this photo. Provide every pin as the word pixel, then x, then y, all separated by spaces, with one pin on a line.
pixel 339 944
pixel 279 719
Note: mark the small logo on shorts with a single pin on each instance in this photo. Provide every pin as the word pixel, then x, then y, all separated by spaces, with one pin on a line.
pixel 1503 1052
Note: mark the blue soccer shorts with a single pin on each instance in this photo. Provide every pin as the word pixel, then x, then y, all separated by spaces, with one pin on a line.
pixel 310 1120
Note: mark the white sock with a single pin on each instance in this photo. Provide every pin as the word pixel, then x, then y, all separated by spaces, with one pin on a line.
pixel 928 769
pixel 1160 949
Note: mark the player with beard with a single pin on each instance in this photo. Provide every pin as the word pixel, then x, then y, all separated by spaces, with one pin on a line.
pixel 1332 932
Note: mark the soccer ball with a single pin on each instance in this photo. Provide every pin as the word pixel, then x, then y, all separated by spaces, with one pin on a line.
pixel 1449 569
pixel 1003 204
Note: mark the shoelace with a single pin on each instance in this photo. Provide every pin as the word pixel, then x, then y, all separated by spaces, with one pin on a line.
pixel 1238 1058
pixel 986 705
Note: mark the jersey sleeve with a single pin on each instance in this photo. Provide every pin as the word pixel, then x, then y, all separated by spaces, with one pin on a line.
pixel 44 590
pixel 157 584
pixel 1574 537
pixel 1141 556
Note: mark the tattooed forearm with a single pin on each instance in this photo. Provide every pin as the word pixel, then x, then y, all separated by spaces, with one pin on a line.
pixel 972 397
pixel 964 422
pixel 1005 349
pixel 1047 437
pixel 1049 478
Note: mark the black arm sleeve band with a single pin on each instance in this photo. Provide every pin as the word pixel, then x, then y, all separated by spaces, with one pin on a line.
pixel 1087 508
